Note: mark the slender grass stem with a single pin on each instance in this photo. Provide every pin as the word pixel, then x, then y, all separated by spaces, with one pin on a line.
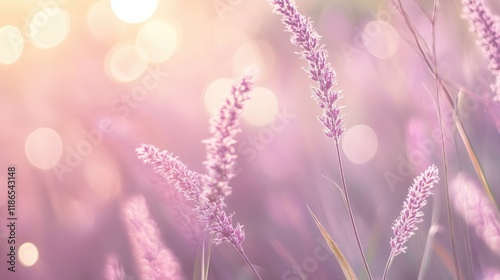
pixel 387 265
pixel 349 210
pixel 242 253
pixel 431 63
pixel 443 147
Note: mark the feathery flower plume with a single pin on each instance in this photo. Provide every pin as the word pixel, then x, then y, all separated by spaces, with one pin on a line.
pixel 114 270
pixel 209 191
pixel 188 182
pixel 221 153
pixel 477 210
pixel 186 218
pixel 406 224
pixel 155 261
pixel 487 27
pixel 171 168
pixel 325 92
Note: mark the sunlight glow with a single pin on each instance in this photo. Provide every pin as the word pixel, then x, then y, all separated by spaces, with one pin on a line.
pixel 126 62
pixel 43 148
pixel 360 144
pixel 256 54
pixel 11 44
pixel 262 107
pixel 134 11
pixel 48 27
pixel 159 39
pixel 100 20
pixel 215 94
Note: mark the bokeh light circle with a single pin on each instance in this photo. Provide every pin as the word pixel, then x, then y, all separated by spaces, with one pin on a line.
pixel 43 148
pixel 101 20
pixel 380 39
pixel 11 44
pixel 48 27
pixel 126 62
pixel 134 11
pixel 256 54
pixel 215 94
pixel 262 107
pixel 360 144
pixel 159 39
pixel 28 254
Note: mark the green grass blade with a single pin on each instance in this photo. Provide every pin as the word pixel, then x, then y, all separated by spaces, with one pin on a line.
pixel 344 264
pixel 474 160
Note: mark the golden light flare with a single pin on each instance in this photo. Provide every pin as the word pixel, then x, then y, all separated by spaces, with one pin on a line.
pixel 134 11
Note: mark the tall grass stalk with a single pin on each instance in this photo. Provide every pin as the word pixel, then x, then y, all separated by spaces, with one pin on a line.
pixel 208 191
pixel 325 92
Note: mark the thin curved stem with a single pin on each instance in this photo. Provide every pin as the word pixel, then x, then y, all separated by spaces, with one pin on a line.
pixel 242 253
pixel 387 265
pixel 349 210
pixel 431 63
pixel 443 147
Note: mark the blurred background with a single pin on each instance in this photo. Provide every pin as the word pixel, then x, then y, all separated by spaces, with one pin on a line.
pixel 84 83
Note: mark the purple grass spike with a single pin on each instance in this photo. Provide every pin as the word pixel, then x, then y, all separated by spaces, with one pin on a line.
pixel 114 269
pixel 325 92
pixel 188 183
pixel 406 224
pixel 224 126
pixel 487 28
pixel 171 168
pixel 478 211
pixel 155 261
